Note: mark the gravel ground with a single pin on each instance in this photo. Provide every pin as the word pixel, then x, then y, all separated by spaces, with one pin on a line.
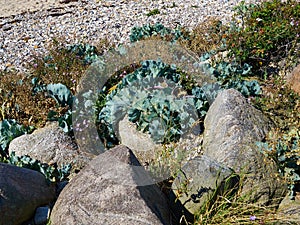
pixel 29 32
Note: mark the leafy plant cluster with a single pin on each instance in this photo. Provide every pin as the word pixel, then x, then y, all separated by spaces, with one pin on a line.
pixel 86 52
pixel 51 172
pixel 285 149
pixel 232 75
pixel 153 12
pixel 63 97
pixel 269 32
pixel 154 102
pixel 24 98
pixel 154 98
pixel 283 106
pixel 148 30
pixel 228 74
pixel 10 129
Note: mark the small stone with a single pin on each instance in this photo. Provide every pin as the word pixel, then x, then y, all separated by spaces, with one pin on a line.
pixel 7 27
pixel 294 79
pixel 61 186
pixel 42 215
pixel 67 1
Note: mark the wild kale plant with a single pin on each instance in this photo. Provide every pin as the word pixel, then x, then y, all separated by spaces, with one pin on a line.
pixel 10 129
pixel 51 172
pixel 154 99
pixel 148 30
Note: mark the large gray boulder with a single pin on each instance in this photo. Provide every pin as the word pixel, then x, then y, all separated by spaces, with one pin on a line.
pixel 21 192
pixel 113 189
pixel 232 128
pixel 50 144
pixel 200 180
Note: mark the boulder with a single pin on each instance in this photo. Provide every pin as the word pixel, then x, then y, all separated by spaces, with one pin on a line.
pixel 232 128
pixel 294 79
pixel 290 209
pixel 141 144
pixel 112 189
pixel 21 192
pixel 200 180
pixel 50 144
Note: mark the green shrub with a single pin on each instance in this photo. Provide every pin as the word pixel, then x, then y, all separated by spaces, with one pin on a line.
pixel 153 12
pixel 147 95
pixel 280 103
pixel 66 64
pixel 269 32
pixel 64 98
pixel 205 37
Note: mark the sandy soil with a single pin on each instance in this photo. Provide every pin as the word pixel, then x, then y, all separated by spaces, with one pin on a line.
pixel 14 7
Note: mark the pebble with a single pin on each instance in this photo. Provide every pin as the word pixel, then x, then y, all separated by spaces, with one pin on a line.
pixel 42 215
pixel 28 34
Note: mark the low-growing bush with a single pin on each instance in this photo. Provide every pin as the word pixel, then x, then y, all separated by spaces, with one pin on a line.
pixel 25 97
pixel 153 12
pixel 19 102
pixel 205 37
pixel 282 105
pixel 269 32
pixel 279 103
